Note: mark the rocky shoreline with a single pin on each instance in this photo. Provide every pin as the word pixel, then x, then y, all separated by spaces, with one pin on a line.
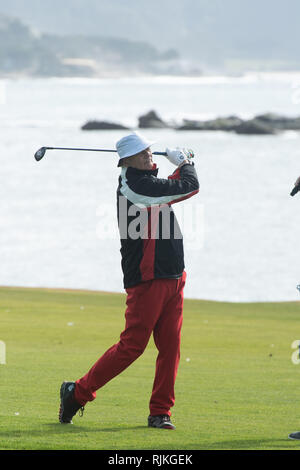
pixel 263 124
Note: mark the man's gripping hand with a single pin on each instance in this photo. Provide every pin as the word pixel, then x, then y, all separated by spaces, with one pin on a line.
pixel 178 156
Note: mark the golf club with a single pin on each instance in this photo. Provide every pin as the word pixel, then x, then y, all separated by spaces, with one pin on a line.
pixel 39 154
pixel 295 190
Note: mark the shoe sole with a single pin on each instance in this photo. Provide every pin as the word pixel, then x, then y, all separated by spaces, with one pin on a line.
pixel 61 408
pixel 165 426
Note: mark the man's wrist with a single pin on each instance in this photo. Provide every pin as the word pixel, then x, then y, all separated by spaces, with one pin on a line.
pixel 184 163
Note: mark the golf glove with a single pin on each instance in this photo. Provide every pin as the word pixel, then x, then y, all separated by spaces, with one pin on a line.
pixel 179 155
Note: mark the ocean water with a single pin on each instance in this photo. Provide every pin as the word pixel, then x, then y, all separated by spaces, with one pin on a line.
pixel 58 224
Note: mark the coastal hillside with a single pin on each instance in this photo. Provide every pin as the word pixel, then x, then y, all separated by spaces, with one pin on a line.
pixel 26 51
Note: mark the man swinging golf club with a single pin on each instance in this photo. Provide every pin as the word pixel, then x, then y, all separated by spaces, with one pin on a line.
pixel 154 277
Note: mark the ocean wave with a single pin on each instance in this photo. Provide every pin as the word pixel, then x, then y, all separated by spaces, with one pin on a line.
pixel 247 77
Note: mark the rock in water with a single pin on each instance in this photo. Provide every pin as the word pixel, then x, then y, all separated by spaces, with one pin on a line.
pixel 102 125
pixel 151 120
pixel 192 125
pixel 276 121
pixel 219 124
pixel 223 124
pixel 255 126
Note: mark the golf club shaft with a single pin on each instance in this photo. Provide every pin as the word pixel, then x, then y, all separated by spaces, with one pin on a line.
pixel 93 150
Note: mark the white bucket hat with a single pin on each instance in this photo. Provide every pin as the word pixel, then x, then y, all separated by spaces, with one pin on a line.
pixel 131 145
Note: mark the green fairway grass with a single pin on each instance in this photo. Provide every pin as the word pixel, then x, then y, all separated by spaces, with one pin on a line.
pixel 237 387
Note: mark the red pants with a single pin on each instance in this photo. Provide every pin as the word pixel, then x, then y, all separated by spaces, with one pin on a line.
pixel 152 306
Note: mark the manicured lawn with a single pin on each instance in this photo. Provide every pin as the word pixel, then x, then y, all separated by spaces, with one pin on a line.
pixel 236 388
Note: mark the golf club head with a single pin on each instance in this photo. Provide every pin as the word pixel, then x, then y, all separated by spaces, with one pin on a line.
pixel 295 190
pixel 40 153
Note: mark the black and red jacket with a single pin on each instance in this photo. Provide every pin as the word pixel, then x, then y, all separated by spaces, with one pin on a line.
pixel 148 252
